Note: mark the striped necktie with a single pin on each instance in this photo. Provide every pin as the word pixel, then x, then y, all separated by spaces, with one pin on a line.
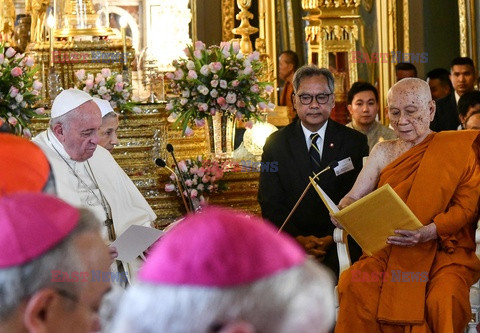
pixel 314 153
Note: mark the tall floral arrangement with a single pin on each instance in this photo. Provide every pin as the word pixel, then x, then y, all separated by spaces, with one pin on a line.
pixel 109 86
pixel 202 177
pixel 217 79
pixel 19 91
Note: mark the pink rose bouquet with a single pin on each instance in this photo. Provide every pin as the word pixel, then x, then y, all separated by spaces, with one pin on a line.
pixel 202 177
pixel 217 79
pixel 19 91
pixel 109 86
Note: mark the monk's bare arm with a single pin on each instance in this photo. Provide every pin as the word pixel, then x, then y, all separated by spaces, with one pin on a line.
pixel 368 178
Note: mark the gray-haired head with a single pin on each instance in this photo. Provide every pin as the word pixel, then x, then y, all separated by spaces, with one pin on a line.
pixel 299 300
pixel 19 283
pixel 312 70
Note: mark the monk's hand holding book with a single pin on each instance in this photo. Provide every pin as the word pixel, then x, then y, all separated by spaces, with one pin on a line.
pixel 315 246
pixel 413 237
pixel 335 221
pixel 346 201
pixel 376 218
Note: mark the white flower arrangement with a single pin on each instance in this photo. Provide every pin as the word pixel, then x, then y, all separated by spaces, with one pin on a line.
pixel 108 86
pixel 19 91
pixel 218 79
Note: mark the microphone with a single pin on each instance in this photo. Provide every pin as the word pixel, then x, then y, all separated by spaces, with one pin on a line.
pixel 332 165
pixel 189 199
pixel 162 164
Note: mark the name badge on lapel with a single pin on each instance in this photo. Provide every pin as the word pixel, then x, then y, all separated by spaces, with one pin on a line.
pixel 343 166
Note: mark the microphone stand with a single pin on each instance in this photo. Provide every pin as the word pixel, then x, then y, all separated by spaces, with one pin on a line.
pixel 161 163
pixel 330 166
pixel 190 203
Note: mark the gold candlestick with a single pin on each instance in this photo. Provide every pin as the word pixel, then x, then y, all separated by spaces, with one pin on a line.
pixel 123 26
pixel 51 25
pixel 245 29
pixel 51 47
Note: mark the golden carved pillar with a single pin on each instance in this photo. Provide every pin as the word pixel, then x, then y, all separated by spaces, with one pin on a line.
pixel 267 36
pixel 387 43
pixel 331 36
pixel 462 7
pixel 228 18
pixel 468 31
pixel 406 25
pixel 473 30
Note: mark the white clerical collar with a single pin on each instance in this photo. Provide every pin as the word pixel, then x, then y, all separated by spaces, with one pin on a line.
pixel 59 147
pixel 307 133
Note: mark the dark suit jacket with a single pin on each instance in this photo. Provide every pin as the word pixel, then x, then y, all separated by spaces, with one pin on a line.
pixel 446 114
pixel 279 191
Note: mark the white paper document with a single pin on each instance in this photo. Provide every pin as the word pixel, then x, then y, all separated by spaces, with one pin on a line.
pixel 134 241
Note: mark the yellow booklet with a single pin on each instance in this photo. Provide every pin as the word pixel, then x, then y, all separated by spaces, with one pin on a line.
pixel 371 219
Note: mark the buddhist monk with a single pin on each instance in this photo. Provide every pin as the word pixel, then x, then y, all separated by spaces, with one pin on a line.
pixel 420 281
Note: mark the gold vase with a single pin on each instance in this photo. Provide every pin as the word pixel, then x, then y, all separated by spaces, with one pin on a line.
pixel 221 131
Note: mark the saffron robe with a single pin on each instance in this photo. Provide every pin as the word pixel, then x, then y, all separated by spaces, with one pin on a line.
pixel 424 288
pixel 286 99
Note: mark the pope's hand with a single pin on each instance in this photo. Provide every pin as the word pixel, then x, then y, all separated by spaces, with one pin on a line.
pixel 410 238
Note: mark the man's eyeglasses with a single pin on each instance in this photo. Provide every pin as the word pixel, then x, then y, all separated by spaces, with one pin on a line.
pixel 307 99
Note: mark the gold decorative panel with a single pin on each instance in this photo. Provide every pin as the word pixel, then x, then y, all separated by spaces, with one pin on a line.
pixel 70 56
pixel 332 32
pixel 315 4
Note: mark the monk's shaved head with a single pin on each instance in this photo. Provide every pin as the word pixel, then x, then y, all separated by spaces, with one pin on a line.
pixel 411 109
pixel 411 89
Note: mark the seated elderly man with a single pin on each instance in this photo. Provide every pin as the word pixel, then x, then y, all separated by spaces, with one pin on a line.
pixel 87 175
pixel 107 134
pixel 437 175
pixel 48 251
pixel 225 271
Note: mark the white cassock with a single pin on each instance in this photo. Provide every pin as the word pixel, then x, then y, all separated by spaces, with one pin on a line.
pixel 72 178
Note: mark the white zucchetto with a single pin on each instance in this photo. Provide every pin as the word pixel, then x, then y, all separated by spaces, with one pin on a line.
pixel 68 100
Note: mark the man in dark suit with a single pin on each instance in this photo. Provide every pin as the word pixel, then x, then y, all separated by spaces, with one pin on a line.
pixel 462 75
pixel 298 153
pixel 438 80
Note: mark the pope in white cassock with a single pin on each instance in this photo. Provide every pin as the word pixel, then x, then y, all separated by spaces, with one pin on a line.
pixel 86 174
